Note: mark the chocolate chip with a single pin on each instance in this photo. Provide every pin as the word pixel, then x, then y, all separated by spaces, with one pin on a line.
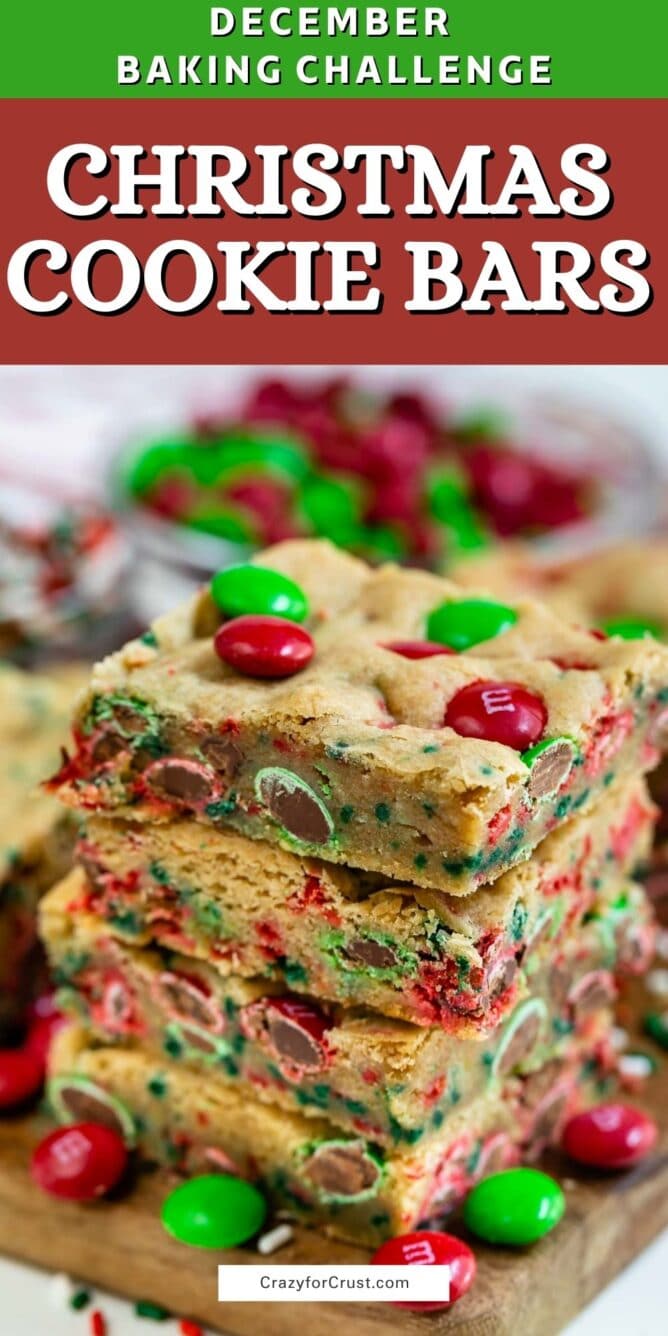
pixel 293 1043
pixel 342 1170
pixel 86 1108
pixel 185 1001
pixel 549 1117
pixel 559 983
pixel 106 746
pixel 593 991
pixel 187 781
pixel 222 754
pixel 537 1083
pixel 368 952
pixel 129 720
pixel 294 806
pixel 550 769
pixel 521 1043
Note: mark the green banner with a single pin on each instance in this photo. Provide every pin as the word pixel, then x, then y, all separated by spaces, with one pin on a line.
pixel 463 49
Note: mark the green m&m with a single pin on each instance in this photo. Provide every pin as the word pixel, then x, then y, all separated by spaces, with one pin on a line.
pixel 214 1211
pixel 468 621
pixel 656 1026
pixel 330 505
pixel 222 522
pixel 257 591
pixel 632 628
pixel 515 1207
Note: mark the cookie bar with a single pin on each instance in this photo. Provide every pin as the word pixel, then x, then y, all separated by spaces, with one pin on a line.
pixel 620 583
pixel 418 955
pixel 367 1073
pixel 443 770
pixel 36 835
pixel 348 1186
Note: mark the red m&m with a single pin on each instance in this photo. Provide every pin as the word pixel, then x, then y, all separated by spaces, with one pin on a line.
pixel 612 1136
pixel 498 712
pixel 429 1247
pixel 264 646
pixel 80 1162
pixel 21 1077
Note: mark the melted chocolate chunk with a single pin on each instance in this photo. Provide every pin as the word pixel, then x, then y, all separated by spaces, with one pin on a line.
pixel 86 1108
pixel 295 807
pixel 560 982
pixel 184 780
pixel 107 746
pixel 184 999
pixel 538 1083
pixel 375 954
pixel 342 1170
pixel 131 721
pixel 521 1044
pixel 550 769
pixel 593 992
pixel 293 1043
pixel 549 1117
pixel 222 754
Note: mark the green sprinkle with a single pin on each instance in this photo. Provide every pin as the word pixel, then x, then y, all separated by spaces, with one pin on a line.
pixel 145 1308
pixel 346 814
pixel 420 860
pixel 431 747
pixel 149 638
pixel 383 813
pixel 80 1299
pixel 157 1086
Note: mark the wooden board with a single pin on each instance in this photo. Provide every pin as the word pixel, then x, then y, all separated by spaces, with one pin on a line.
pixel 119 1245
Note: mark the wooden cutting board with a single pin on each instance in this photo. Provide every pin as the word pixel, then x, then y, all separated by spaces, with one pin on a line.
pixel 119 1245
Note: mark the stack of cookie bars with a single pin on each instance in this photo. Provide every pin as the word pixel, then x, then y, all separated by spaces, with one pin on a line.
pixel 323 938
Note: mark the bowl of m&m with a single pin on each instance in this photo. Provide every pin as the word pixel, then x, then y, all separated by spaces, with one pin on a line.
pixel 386 475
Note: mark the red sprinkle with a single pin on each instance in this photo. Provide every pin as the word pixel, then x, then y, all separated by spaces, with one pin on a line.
pixel 187 1328
pixel 97 1323
pixel 417 649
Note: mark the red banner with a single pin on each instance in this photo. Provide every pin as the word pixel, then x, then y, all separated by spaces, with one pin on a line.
pixel 459 264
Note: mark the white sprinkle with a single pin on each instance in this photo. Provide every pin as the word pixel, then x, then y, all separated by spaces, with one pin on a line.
pixel 274 1239
pixel 635 1065
pixel 662 944
pixel 657 982
pixel 619 1038
pixel 61 1289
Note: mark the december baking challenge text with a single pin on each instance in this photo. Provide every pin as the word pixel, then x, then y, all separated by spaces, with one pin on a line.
pixel 395 26
pixel 213 188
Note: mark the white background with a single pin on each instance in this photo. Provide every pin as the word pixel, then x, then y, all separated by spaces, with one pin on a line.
pixel 61 425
